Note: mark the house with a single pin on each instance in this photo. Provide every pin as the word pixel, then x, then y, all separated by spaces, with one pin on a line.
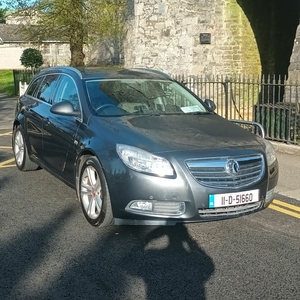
pixel 13 42
pixel 101 51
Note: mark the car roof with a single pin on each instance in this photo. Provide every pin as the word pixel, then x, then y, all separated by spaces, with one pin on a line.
pixel 114 73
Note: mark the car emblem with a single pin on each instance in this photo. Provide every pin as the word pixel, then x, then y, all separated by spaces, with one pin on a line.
pixel 232 166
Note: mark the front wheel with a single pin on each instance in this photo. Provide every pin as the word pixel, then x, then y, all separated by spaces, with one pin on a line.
pixel 22 159
pixel 93 193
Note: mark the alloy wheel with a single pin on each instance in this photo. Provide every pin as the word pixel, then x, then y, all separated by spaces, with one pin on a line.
pixel 91 192
pixel 19 148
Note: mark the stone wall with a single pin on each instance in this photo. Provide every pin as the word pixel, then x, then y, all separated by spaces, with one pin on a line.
pixel 166 35
pixel 294 68
pixel 292 89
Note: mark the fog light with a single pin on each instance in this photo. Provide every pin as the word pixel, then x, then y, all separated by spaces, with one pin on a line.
pixel 169 208
pixel 270 196
pixel 142 205
pixel 163 208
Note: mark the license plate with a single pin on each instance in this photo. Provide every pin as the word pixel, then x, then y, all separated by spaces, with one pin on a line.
pixel 232 199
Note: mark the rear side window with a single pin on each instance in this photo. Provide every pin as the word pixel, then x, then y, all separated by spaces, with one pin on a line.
pixel 48 87
pixel 31 91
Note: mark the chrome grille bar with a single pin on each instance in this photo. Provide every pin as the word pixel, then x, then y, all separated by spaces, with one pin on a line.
pixel 228 211
pixel 213 172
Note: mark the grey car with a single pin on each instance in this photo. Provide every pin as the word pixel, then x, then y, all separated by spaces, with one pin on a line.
pixel 140 148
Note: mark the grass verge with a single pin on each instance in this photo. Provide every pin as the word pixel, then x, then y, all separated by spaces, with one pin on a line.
pixel 7 82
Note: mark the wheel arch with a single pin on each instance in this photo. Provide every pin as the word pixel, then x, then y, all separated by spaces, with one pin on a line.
pixel 105 216
pixel 16 124
pixel 79 161
pixel 20 122
pixel 20 149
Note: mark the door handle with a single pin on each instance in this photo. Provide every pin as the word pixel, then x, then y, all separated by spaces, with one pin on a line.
pixel 46 121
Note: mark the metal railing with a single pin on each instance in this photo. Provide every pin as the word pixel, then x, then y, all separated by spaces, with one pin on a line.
pixel 271 101
pixel 23 77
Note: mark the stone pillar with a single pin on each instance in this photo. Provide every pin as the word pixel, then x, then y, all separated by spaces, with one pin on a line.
pixel 292 88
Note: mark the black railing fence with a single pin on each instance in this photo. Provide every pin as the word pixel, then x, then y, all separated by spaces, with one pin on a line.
pixel 272 101
pixel 23 76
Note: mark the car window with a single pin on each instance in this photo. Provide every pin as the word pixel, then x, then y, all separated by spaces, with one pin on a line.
pixel 47 88
pixel 141 96
pixel 32 88
pixel 67 91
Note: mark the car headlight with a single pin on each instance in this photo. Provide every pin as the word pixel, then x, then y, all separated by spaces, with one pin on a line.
pixel 143 161
pixel 270 152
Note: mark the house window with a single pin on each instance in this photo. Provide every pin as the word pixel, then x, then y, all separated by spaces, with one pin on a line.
pixel 47 49
pixel 61 50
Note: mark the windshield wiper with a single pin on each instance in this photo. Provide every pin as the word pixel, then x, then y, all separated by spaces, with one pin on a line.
pixel 140 92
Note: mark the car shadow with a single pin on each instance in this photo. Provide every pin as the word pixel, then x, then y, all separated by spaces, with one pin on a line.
pixel 171 264
pixel 129 262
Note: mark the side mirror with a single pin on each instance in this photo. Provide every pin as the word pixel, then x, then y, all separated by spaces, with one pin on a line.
pixel 64 108
pixel 210 104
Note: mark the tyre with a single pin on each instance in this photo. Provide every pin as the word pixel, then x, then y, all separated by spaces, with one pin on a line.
pixel 22 159
pixel 93 193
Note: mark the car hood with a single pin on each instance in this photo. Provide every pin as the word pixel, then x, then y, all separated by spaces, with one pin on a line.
pixel 179 132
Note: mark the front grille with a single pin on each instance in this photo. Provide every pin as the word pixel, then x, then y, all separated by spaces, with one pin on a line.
pixel 227 172
pixel 228 211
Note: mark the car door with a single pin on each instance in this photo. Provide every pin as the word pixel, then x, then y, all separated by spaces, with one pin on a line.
pixel 59 132
pixel 36 103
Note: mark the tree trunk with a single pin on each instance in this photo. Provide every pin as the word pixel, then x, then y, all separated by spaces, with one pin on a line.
pixel 77 55
pixel 77 33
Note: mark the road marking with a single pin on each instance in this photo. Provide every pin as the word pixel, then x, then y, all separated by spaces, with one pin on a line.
pixel 286 208
pixel 293 207
pixel 7 133
pixel 6 163
pixel 5 147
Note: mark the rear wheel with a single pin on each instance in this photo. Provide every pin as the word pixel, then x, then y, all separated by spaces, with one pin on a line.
pixel 93 193
pixel 22 159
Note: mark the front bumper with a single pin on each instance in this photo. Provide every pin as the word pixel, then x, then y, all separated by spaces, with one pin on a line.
pixel 180 200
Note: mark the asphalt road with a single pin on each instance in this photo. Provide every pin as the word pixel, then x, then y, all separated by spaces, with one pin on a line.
pixel 49 251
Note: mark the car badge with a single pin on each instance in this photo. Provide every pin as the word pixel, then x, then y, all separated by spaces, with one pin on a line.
pixel 232 166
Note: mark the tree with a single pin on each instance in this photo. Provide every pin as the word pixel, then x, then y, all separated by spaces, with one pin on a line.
pixel 2 14
pixel 78 22
pixel 31 58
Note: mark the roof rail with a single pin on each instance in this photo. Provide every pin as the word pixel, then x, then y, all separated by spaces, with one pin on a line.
pixel 153 71
pixel 77 71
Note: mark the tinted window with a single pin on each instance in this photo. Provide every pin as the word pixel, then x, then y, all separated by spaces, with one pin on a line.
pixel 31 91
pixel 47 88
pixel 67 91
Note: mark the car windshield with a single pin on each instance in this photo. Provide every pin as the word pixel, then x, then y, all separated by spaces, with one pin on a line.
pixel 115 97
